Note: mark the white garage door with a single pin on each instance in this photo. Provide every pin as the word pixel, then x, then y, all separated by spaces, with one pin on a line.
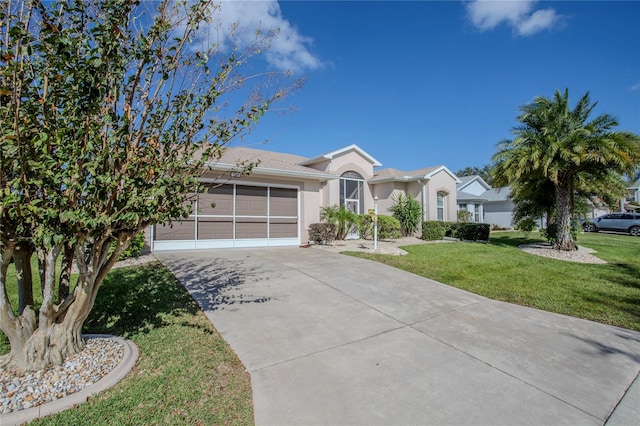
pixel 234 215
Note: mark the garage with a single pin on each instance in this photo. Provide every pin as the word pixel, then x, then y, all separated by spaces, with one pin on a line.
pixel 235 215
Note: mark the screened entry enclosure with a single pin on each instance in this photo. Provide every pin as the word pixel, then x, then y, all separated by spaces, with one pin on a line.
pixel 234 215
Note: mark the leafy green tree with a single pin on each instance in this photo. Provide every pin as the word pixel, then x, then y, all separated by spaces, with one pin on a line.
pixel 408 211
pixel 484 172
pixel 109 113
pixel 564 146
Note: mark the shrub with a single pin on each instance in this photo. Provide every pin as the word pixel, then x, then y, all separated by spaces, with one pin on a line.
pixel 322 233
pixel 407 211
pixel 470 231
pixel 434 229
pixel 388 227
pixel 136 245
pixel 496 227
pixel 343 218
pixel 365 226
pixel 464 216
pixel 526 224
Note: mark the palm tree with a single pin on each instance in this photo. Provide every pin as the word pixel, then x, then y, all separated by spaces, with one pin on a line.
pixel 564 146
pixel 343 218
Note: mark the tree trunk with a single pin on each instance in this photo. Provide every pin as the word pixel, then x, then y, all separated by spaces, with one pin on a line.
pixel 22 262
pixel 44 347
pixel 564 238
pixel 65 273
pixel 58 333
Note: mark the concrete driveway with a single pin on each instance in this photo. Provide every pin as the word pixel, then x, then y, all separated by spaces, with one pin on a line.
pixel 331 339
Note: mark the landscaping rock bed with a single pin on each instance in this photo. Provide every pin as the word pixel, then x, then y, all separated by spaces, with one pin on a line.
pixel 99 357
pixel 582 255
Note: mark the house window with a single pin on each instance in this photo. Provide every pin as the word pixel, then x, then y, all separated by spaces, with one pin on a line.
pixel 440 203
pixel 476 213
pixel 462 207
pixel 352 192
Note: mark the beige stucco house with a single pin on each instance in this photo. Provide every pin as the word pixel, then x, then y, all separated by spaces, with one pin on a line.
pixel 275 204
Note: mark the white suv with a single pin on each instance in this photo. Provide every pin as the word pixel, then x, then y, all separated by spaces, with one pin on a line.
pixel 623 222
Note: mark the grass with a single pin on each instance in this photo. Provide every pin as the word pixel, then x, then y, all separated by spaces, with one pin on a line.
pixel 186 373
pixel 605 293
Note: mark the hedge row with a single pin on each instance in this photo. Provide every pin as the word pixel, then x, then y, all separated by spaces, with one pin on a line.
pixel 436 230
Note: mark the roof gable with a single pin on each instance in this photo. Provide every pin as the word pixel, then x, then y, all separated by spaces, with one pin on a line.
pixel 466 181
pixel 331 155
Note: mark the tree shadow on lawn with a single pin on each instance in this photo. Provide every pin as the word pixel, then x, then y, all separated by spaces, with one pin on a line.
pixel 512 241
pixel 631 274
pixel 135 299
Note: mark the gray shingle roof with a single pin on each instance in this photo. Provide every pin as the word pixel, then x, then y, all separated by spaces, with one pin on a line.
pixel 465 196
pixel 268 161
pixel 497 194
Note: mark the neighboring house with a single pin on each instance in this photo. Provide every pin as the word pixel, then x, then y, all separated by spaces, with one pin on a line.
pixel 633 195
pixel 486 204
pixel 283 195
pixel 470 194
pixel 495 205
pixel 498 207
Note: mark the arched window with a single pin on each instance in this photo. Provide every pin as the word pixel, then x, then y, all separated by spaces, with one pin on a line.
pixel 352 192
pixel 441 203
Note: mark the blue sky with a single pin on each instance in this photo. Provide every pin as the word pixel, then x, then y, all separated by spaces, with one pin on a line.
pixel 422 83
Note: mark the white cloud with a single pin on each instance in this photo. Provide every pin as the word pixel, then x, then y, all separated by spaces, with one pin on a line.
pixel 242 20
pixel 635 86
pixel 519 14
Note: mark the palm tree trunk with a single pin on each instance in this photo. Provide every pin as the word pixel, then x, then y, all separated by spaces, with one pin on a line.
pixel 564 238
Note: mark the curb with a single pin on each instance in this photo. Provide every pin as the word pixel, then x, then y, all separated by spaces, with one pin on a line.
pixel 129 359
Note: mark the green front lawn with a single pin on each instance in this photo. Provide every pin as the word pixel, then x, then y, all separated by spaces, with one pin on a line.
pixel 186 373
pixel 606 293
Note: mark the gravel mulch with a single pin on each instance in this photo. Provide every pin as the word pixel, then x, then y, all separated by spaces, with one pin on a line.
pixel 98 358
pixel 582 255
pixel 384 246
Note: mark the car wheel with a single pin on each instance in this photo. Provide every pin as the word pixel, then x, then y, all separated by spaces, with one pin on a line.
pixel 635 231
pixel 589 227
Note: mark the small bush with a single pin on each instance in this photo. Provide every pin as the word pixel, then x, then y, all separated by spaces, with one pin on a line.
pixel 322 233
pixel 464 216
pixel 388 227
pixel 470 231
pixel 434 229
pixel 136 245
pixel 526 225
pixel 496 227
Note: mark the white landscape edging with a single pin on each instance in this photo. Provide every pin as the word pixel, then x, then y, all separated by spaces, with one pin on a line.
pixel 129 359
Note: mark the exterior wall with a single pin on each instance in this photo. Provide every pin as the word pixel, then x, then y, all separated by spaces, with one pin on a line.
pixel 386 192
pixel 310 195
pixel 499 213
pixel 442 182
